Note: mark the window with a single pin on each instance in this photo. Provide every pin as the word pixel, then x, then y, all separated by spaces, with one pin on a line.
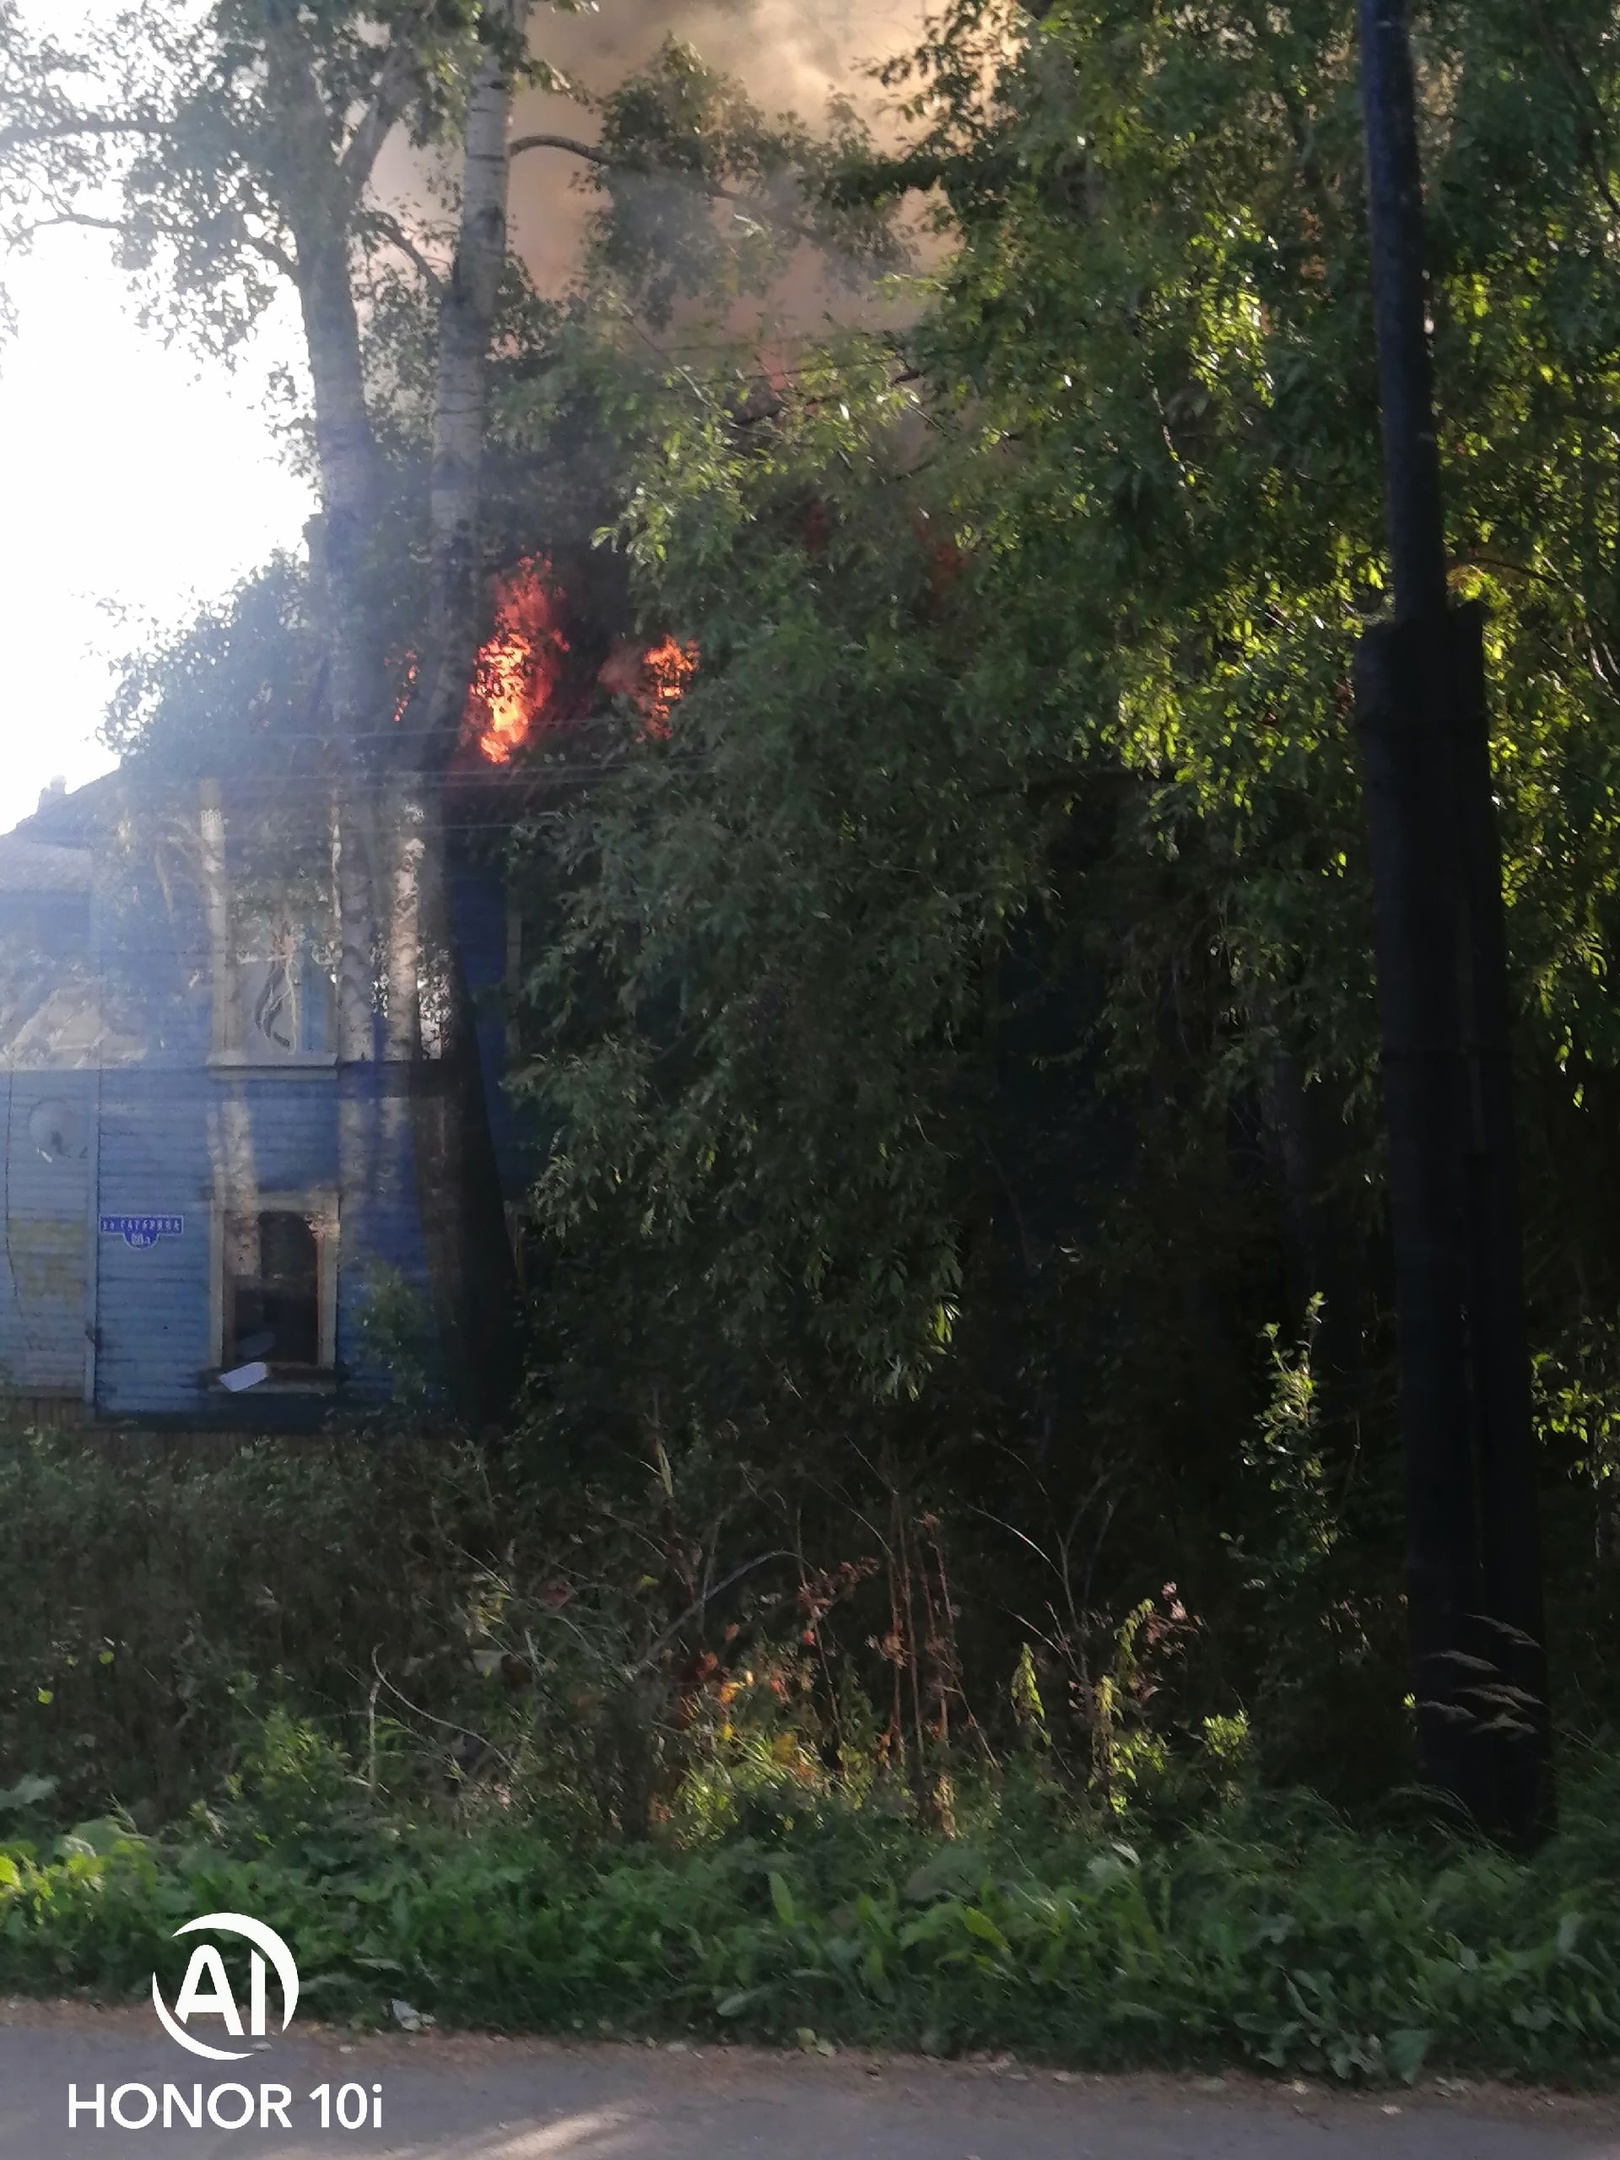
pixel 278 1288
pixel 272 936
pixel 286 1001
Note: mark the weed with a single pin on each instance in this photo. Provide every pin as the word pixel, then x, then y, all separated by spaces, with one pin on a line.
pixel 1274 1936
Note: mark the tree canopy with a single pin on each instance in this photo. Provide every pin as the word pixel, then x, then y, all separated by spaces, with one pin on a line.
pixel 969 1008
pixel 953 1031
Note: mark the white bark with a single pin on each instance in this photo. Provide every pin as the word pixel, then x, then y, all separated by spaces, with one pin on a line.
pixel 402 1038
pixel 466 318
pixel 346 450
pixel 217 906
pixel 357 927
pixel 322 191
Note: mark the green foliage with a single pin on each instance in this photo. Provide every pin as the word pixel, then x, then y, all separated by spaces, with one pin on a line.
pixel 1287 1453
pixel 704 193
pixel 958 1036
pixel 1273 1936
pixel 238 179
pixel 638 1645
pixel 395 1331
pixel 687 1647
pixel 955 1034
pixel 1326 1612
pixel 565 1792
pixel 242 680
pixel 156 1603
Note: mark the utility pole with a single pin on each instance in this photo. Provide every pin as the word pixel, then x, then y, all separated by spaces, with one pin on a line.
pixel 1473 1548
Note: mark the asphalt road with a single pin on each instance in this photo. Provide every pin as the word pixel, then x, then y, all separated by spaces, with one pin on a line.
pixel 463 2098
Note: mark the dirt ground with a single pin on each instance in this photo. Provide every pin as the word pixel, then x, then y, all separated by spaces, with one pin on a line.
pixel 466 2097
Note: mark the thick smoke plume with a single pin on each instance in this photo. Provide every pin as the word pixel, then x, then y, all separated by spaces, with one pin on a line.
pixel 790 54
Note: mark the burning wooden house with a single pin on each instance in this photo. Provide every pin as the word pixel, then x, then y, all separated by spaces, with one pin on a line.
pixel 208 1166
pixel 252 1044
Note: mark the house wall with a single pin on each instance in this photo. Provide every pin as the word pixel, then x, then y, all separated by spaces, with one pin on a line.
pixel 169 1129
pixel 152 1304
pixel 48 1055
pixel 479 900
pixel 188 1142
pixel 152 1157
pixel 47 1132
pixel 382 1226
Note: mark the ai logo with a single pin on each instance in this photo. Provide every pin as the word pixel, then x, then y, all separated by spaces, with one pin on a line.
pixel 206 1990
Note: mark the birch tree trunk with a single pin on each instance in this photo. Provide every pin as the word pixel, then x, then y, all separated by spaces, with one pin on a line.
pixel 401 880
pixel 458 1175
pixel 322 190
pixel 466 320
pixel 346 453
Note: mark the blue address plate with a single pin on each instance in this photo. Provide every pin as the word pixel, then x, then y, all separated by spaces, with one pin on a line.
pixel 141 1232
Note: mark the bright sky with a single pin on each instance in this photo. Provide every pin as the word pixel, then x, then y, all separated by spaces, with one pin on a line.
pixel 129 475
pixel 136 480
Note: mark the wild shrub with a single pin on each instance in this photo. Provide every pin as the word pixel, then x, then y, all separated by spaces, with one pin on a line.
pixel 1272 1936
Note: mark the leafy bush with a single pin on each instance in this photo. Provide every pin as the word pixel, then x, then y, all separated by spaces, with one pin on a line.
pixel 157 1602
pixel 517 1753
pixel 1274 1936
pixel 692 1644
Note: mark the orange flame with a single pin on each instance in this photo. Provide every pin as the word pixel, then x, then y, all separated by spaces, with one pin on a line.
pixel 404 668
pixel 654 678
pixel 666 671
pixel 518 671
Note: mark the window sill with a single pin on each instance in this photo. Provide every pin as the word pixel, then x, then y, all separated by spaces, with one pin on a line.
pixel 300 1065
pixel 286 1382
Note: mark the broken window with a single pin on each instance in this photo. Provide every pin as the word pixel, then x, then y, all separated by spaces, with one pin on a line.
pixel 275 1301
pixel 272 931
pixel 286 1000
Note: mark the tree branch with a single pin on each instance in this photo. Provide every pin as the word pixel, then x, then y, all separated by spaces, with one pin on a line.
pixel 260 246
pixel 1595 144
pixel 590 151
pixel 766 213
pixel 388 101
pixel 82 217
pixel 384 222
pixel 250 205
pixel 21 136
pixel 272 254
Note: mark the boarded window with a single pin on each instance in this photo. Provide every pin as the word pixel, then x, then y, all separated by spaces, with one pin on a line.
pixel 272 1290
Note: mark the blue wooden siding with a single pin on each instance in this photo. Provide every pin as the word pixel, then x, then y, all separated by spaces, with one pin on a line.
pixel 153 957
pixel 478 898
pixel 44 1212
pixel 156 1117
pixel 152 1306
pixel 382 1223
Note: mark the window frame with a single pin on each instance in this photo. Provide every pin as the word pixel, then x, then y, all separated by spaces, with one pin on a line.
pixel 319 1208
pixel 229 1049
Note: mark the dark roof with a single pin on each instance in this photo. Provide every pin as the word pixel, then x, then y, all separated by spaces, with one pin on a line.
pixel 39 866
pixel 50 851
pixel 69 821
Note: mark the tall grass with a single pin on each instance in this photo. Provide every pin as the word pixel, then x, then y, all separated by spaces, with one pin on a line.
pixel 482 1760
pixel 1272 1935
